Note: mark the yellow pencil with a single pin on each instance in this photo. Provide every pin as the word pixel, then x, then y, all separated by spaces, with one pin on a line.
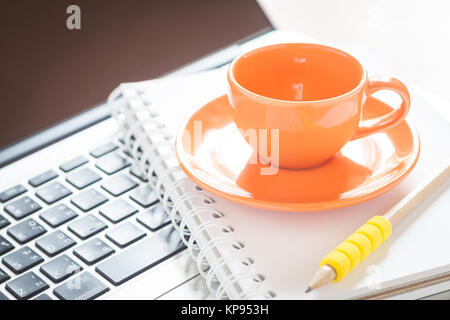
pixel 366 239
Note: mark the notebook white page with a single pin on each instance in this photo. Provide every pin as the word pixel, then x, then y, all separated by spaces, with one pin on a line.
pixel 287 247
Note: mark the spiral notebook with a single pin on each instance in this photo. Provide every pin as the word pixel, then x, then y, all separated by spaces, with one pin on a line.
pixel 250 253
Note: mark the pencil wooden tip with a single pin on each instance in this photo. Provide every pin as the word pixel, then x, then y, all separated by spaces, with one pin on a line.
pixel 323 276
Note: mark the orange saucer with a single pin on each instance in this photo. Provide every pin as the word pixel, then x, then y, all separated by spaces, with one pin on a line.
pixel 362 170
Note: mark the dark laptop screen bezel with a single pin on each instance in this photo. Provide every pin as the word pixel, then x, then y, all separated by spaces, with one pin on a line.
pixel 100 112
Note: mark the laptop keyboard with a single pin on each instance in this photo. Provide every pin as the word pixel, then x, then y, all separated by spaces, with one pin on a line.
pixel 93 210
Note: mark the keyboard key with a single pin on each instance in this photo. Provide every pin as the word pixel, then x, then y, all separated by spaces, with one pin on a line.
pixel 144 195
pixel 53 192
pixel 136 171
pixel 83 178
pixel 3 297
pixel 42 178
pixel 119 185
pixel 12 193
pixel 22 207
pixel 112 163
pixel 3 222
pixel 60 268
pixel 4 276
pixel 26 286
pixel 22 259
pixel 43 296
pixel 154 218
pixel 5 246
pixel 58 215
pixel 87 226
pixel 89 199
pixel 117 210
pixel 82 287
pixel 26 231
pixel 93 251
pixel 55 243
pixel 125 234
pixel 73 163
pixel 142 256
pixel 103 149
pixel 128 153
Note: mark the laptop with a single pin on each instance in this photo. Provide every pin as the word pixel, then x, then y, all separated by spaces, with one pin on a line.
pixel 70 196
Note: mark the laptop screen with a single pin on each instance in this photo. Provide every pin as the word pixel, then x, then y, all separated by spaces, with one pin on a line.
pixel 58 61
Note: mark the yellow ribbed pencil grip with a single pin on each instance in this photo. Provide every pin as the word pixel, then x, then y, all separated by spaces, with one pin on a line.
pixel 358 246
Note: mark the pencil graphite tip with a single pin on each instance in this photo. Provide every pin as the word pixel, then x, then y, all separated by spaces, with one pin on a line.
pixel 308 289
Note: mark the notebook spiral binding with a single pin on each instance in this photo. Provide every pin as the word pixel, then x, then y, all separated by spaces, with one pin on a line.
pixel 122 101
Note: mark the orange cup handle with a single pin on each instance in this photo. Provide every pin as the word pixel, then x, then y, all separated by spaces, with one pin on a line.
pixel 391 119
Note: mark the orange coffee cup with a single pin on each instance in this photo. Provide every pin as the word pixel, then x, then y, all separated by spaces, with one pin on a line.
pixel 313 95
